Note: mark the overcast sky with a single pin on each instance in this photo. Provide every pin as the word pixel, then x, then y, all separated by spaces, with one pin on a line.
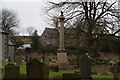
pixel 30 13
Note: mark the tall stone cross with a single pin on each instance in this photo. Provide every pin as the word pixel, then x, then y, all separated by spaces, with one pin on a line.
pixel 61 46
pixel 62 60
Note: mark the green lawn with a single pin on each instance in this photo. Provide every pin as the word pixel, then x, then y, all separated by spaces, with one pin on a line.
pixel 101 76
pixel 51 63
pixel 3 64
pixel 51 73
pixel 23 69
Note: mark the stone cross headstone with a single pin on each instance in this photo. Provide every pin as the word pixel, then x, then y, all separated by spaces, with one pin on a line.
pixel 11 72
pixel 115 69
pixel 36 69
pixel 86 67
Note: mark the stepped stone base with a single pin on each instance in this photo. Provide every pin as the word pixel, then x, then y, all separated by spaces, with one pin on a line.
pixel 62 60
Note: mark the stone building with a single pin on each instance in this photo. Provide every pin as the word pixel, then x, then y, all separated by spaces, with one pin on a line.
pixel 12 49
pixel 3 43
pixel 7 48
pixel 50 36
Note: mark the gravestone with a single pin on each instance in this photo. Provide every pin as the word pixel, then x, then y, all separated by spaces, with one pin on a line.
pixel 30 58
pixel 55 68
pixel 71 76
pixel 46 60
pixel 11 71
pixel 86 67
pixel 36 69
pixel 1 73
pixel 26 58
pixel 57 77
pixel 18 60
pixel 43 59
pixel 118 63
pixel 115 69
pixel 45 72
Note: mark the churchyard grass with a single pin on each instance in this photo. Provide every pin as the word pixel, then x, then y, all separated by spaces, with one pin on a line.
pixel 3 64
pixel 104 69
pixel 51 63
pixel 101 76
pixel 51 73
pixel 23 69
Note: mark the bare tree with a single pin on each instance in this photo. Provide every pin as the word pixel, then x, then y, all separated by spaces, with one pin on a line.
pixel 30 30
pixel 92 19
pixel 9 19
pixel 14 32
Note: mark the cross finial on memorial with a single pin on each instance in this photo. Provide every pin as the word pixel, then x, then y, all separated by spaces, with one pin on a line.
pixel 61 13
pixel 61 16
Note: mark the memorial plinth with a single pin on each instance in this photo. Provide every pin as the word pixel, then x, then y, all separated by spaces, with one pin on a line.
pixel 62 60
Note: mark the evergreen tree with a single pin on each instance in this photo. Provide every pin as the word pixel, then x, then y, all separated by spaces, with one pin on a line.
pixel 36 44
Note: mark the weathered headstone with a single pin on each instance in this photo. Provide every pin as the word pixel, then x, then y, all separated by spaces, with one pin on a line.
pixel 45 72
pixel 115 69
pixel 23 61
pixel 43 58
pixel 57 77
pixel 11 71
pixel 55 68
pixel 71 76
pixel 30 58
pixel 118 63
pixel 1 73
pixel 26 58
pixel 18 60
pixel 86 67
pixel 46 60
pixel 36 69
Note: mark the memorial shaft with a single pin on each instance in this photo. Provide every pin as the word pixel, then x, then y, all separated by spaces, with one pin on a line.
pixel 61 46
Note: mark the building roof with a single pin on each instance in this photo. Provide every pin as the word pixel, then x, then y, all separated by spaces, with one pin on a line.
pixel 54 31
pixel 24 46
pixel 51 31
pixel 11 42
